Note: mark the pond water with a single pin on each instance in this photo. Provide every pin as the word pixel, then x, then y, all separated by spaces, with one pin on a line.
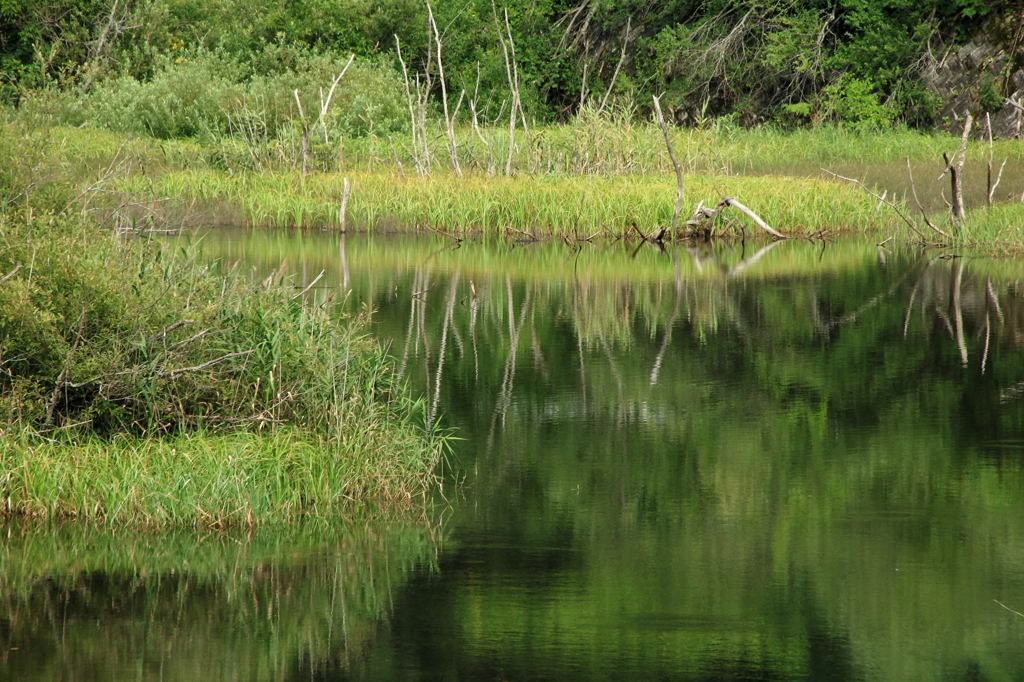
pixel 733 462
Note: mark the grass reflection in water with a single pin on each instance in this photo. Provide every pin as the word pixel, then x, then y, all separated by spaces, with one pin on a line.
pixel 87 603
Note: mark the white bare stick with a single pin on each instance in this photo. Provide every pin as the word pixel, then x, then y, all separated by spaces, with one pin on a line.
pixel 622 58
pixel 449 126
pixel 956 170
pixel 512 89
pixel 515 75
pixel 675 164
pixel 343 211
pixel 731 201
pixel 305 132
pixel 309 286
pixel 583 87
pixel 412 113
pixel 999 176
pixel 330 95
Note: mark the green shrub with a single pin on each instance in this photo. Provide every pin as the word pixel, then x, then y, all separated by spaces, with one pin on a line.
pixel 188 96
pixel 853 100
pixel 208 94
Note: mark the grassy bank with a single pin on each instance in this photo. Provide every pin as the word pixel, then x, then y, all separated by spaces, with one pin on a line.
pixel 138 384
pixel 214 479
pixel 596 175
pixel 539 206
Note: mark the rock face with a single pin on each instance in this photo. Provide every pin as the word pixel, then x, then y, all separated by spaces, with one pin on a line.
pixel 974 79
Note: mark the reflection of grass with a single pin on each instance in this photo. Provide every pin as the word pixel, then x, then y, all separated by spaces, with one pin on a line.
pixel 229 605
pixel 601 261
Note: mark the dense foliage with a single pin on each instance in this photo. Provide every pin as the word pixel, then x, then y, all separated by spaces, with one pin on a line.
pixel 111 336
pixel 795 61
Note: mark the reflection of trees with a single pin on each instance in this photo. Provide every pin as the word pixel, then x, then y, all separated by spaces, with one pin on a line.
pixel 760 445
pixel 816 433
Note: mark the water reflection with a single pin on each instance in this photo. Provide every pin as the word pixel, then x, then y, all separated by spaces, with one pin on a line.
pixel 793 461
pixel 84 603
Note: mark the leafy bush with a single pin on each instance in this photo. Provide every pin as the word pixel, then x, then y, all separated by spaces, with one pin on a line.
pixel 852 100
pixel 209 94
pixel 129 334
pixel 187 97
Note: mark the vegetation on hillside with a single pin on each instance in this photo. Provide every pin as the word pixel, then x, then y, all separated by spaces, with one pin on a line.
pixel 791 61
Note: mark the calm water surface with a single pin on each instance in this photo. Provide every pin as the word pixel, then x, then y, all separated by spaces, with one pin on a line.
pixel 727 463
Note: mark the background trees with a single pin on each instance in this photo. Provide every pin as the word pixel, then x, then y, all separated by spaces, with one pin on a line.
pixel 793 61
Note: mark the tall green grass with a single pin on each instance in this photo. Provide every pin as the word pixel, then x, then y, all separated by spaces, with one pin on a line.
pixel 216 480
pixel 597 173
pixel 549 206
pixel 140 384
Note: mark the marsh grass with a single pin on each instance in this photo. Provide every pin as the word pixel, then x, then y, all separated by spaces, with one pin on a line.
pixel 139 387
pixel 138 384
pixel 596 174
pixel 611 144
pixel 214 480
pixel 530 205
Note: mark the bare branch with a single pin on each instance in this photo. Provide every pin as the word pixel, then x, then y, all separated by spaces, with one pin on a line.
pixel 10 274
pixel 731 201
pixel 889 203
pixel 675 164
pixel 924 214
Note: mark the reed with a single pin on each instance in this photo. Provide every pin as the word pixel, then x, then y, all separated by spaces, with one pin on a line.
pixel 528 205
pixel 139 386
pixel 213 480
pixel 601 172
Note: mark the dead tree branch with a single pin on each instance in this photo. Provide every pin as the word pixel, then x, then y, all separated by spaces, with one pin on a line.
pixel 675 164
pixel 731 201
pixel 924 214
pixel 891 205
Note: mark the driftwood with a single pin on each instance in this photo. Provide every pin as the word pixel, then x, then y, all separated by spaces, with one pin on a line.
pixel 532 237
pixel 731 201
